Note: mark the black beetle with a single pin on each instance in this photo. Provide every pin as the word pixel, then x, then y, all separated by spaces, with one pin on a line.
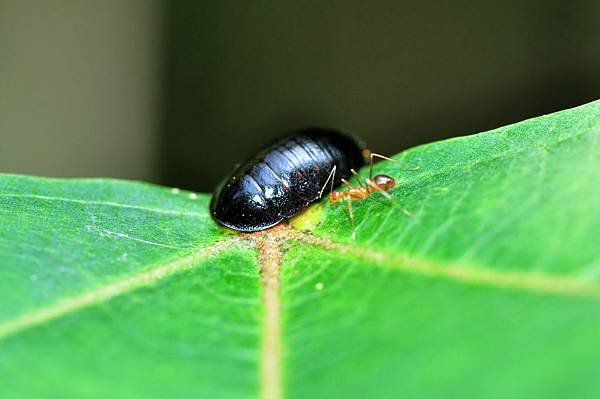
pixel 284 178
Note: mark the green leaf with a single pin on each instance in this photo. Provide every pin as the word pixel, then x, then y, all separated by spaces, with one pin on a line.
pixel 480 278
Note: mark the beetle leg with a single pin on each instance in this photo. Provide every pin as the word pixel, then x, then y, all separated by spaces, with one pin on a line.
pixel 332 177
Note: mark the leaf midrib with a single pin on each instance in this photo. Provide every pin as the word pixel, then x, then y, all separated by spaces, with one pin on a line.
pixel 539 283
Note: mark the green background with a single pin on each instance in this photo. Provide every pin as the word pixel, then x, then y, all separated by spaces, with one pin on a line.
pixel 178 92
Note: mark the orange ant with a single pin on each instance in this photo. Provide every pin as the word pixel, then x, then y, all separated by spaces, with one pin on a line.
pixel 380 183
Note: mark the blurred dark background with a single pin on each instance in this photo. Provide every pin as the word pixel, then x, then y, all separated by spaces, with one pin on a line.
pixel 177 92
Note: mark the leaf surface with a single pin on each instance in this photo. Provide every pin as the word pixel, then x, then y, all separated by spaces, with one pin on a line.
pixel 480 278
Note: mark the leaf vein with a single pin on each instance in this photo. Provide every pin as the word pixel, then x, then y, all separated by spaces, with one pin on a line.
pixel 107 203
pixel 548 284
pixel 106 292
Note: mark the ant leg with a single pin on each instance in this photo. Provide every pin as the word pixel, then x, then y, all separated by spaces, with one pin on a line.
pixel 332 177
pixel 348 184
pixel 360 183
pixel 372 154
pixel 351 213
pixel 376 187
pixel 388 196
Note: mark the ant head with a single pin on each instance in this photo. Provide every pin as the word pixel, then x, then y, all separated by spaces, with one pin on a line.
pixel 335 196
pixel 384 182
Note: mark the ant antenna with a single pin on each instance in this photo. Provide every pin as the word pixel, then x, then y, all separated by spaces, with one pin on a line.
pixel 332 177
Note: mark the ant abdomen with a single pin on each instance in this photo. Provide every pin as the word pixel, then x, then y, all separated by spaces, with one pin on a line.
pixel 385 182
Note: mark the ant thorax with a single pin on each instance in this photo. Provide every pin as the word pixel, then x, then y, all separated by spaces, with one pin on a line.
pixel 335 196
pixel 365 188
